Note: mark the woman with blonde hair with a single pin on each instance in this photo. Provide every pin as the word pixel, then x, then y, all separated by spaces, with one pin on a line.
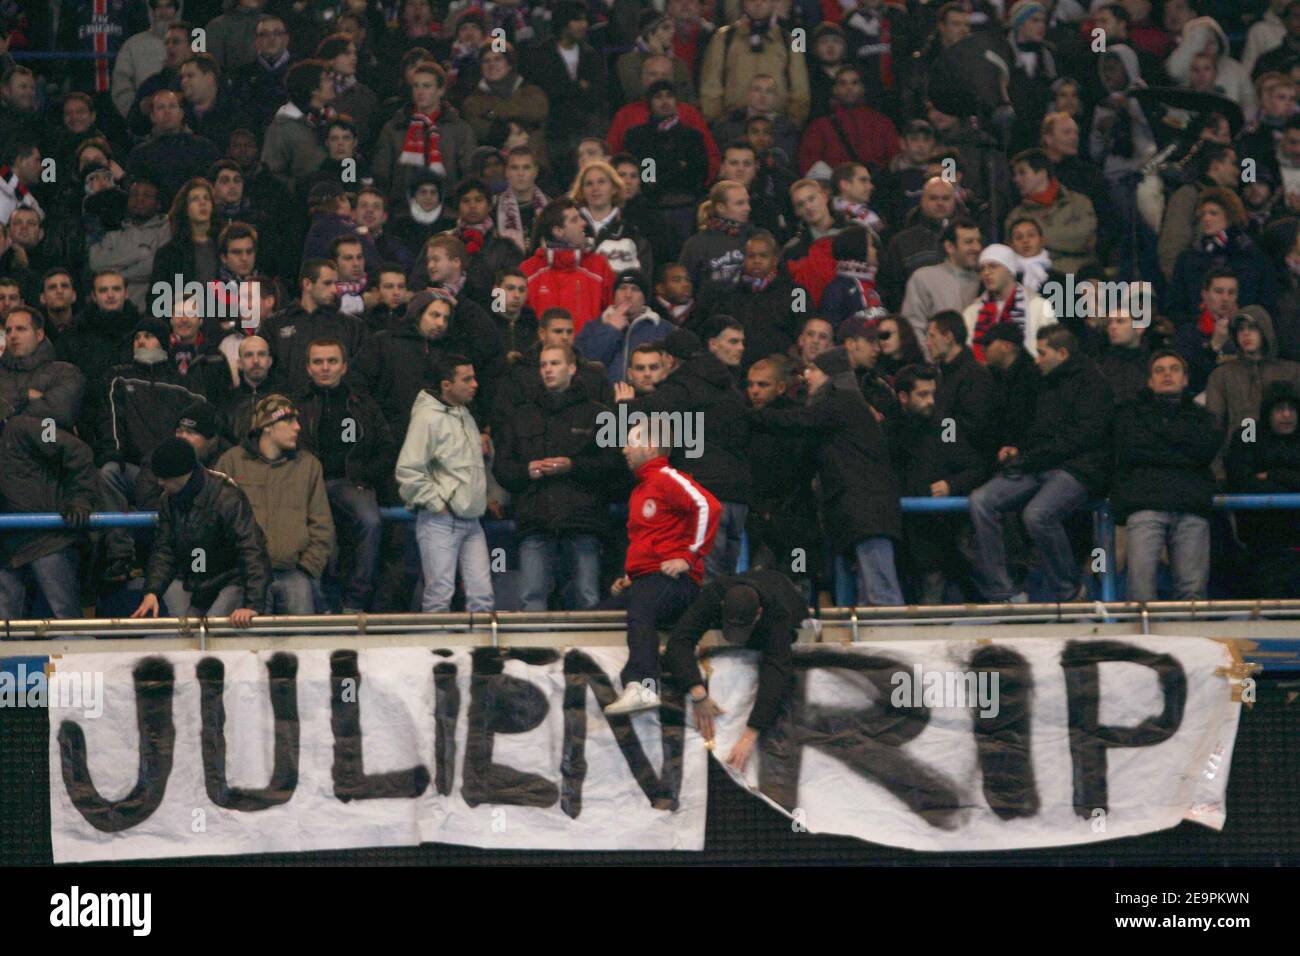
pixel 598 191
pixel 717 252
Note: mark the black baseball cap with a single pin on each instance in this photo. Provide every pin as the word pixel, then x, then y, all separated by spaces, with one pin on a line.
pixel 740 609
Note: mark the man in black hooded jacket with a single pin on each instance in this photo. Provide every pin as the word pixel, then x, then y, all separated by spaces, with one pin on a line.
pixel 1264 459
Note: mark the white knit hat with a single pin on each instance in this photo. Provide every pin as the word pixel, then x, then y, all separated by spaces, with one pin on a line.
pixel 1002 255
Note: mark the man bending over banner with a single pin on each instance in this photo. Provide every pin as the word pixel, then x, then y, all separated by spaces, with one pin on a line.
pixel 671 523
pixel 760 610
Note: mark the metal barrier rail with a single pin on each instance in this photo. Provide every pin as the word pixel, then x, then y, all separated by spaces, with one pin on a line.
pixel 1103 528
pixel 530 622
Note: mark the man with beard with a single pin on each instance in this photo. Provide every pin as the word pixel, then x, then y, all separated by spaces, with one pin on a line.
pixel 928 465
pixel 257 379
pixel 674 294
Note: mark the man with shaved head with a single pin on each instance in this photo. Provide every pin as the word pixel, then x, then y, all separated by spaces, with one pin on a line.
pixel 917 245
pixel 257 379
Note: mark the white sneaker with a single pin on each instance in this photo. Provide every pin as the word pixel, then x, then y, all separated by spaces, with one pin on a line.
pixel 635 698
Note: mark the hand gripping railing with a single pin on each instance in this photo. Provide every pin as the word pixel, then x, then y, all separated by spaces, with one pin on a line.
pixel 1103 529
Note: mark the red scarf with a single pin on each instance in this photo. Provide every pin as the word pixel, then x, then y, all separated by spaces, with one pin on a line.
pixel 422 144
pixel 728 227
pixel 473 235
pixel 1205 324
pixel 11 179
pixel 1046 197
pixel 994 313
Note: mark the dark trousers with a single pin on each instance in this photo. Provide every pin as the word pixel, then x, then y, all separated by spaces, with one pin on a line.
pixel 654 602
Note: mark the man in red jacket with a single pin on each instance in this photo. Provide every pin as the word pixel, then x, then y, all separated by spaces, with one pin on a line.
pixel 671 524
pixel 562 274
pixel 852 132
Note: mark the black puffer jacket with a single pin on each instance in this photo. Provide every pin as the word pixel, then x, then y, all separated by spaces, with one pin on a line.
pixel 40 476
pixel 371 455
pixel 61 383
pixel 768 316
pixel 966 394
pixel 558 425
pixel 1126 371
pixel 703 384
pixel 859 495
pixel 921 457
pixel 144 402
pixel 1015 392
pixel 1072 422
pixel 220 522
pixel 1163 452
pixel 395 365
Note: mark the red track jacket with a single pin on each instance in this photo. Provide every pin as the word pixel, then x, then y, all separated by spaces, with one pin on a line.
pixel 581 282
pixel 669 516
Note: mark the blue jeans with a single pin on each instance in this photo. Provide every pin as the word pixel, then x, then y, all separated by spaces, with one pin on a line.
pixel 179 602
pixel 291 592
pixel 121 478
pixel 55 574
pixel 361 509
pixel 1188 539
pixel 447 542
pixel 539 554
pixel 724 554
pixel 877 576
pixel 1049 498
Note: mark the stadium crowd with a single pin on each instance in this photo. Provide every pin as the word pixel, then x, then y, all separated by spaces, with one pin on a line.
pixel 266 267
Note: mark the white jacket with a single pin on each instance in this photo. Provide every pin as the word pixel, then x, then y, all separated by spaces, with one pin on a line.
pixel 1230 75
pixel 1264 35
pixel 440 467
pixel 1038 314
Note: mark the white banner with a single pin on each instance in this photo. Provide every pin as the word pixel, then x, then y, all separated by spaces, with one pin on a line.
pixel 929 745
pixel 957 745
pixel 377 747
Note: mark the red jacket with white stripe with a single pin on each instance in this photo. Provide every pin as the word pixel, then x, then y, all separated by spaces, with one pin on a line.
pixel 670 515
pixel 580 282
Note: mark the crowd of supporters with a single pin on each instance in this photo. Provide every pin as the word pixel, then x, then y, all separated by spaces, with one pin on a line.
pixel 267 267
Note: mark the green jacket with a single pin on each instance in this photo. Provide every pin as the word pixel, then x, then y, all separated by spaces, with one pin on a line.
pixel 290 503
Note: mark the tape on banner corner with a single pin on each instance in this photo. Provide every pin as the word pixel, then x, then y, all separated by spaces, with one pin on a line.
pixel 1239 670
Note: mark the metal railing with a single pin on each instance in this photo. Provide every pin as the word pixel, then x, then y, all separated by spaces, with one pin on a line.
pixel 845 587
